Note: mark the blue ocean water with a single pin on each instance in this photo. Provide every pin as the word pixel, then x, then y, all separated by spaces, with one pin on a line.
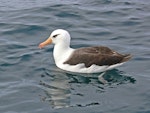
pixel 31 83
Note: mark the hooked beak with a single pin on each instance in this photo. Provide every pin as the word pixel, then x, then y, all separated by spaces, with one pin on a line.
pixel 46 42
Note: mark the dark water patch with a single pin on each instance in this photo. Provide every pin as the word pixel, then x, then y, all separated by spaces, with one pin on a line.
pixel 114 13
pixel 8 64
pixel 58 5
pixel 9 49
pixel 87 105
pixel 118 77
pixel 127 3
pixel 15 46
pixel 68 14
pixel 130 23
pixel 135 19
pixel 5 25
pixel 46 9
pixel 14 89
pixel 64 25
pixel 96 2
pixel 142 59
pixel 98 33
pixel 24 29
pixel 95 32
pixel 25 57
pixel 22 5
pixel 119 38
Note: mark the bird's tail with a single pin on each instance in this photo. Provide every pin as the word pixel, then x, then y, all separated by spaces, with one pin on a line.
pixel 126 57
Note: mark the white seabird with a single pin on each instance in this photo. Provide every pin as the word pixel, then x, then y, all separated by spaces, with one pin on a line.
pixel 82 60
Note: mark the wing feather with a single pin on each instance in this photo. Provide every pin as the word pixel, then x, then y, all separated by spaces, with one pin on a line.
pixel 98 55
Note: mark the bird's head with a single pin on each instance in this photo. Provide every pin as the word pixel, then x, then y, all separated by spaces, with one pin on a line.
pixel 58 36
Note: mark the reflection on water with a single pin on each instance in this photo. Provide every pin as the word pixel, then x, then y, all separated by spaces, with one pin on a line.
pixel 57 85
pixel 117 77
pixel 57 90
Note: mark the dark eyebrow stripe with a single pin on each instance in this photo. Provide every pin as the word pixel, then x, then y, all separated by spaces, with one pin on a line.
pixel 55 35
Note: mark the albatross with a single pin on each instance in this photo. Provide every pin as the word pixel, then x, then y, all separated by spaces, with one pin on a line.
pixel 94 59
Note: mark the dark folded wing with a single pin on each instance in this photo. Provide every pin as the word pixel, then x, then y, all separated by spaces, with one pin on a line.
pixel 95 55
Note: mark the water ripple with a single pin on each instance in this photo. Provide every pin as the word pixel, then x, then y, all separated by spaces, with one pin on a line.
pixel 28 73
pixel 59 86
pixel 21 28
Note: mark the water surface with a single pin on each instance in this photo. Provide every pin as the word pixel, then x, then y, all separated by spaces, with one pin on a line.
pixel 31 83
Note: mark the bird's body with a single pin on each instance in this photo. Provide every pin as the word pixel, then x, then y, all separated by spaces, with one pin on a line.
pixel 83 60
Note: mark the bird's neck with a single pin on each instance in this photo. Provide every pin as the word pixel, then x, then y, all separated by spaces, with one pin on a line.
pixel 61 52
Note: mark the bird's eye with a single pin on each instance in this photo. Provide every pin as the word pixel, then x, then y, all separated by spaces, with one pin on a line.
pixel 55 35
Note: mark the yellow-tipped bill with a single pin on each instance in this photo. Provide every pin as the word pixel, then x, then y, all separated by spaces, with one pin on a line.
pixel 46 42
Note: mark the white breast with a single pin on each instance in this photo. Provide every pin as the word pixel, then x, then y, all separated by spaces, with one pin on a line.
pixel 61 54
